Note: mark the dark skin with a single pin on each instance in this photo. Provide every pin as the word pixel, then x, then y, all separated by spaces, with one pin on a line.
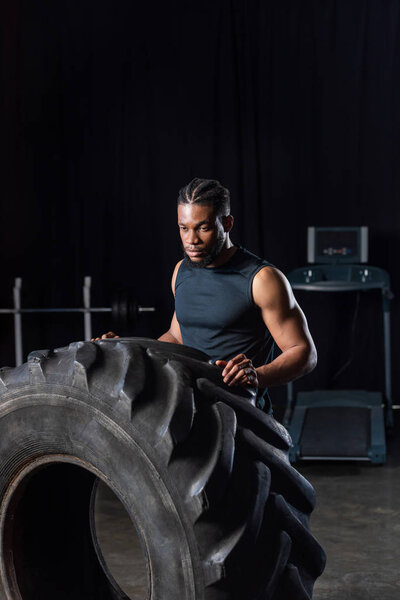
pixel 201 230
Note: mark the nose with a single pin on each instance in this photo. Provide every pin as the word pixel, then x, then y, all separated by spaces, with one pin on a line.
pixel 192 238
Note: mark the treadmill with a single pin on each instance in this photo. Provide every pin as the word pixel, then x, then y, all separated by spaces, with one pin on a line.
pixel 341 424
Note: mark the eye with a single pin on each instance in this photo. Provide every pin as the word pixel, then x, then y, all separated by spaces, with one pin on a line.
pixel 204 228
pixel 182 228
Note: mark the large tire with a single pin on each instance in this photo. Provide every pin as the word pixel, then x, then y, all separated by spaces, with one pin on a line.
pixel 204 475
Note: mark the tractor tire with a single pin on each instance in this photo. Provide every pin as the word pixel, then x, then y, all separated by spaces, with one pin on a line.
pixel 203 474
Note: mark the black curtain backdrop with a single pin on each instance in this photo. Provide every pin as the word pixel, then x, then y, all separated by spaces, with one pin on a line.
pixel 109 107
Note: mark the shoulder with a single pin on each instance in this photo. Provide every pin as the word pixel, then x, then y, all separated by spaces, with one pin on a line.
pixel 247 263
pixel 271 275
pixel 251 258
pixel 271 287
pixel 174 275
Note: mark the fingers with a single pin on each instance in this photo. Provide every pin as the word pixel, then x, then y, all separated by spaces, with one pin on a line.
pixel 247 376
pixel 221 363
pixel 109 334
pixel 239 371
pixel 234 367
pixel 244 376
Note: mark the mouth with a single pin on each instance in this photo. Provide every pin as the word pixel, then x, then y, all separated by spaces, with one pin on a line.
pixel 194 252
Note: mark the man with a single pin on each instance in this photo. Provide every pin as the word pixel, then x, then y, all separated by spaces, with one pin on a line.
pixel 231 304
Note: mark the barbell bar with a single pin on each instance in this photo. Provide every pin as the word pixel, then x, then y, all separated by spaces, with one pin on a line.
pixel 124 311
pixel 13 311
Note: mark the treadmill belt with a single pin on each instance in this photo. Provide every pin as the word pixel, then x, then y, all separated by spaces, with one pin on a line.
pixel 336 431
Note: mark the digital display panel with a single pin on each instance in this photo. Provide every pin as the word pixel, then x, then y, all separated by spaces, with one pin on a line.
pixel 337 245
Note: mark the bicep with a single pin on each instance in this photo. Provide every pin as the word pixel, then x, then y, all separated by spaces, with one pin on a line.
pixel 288 327
pixel 280 311
pixel 175 328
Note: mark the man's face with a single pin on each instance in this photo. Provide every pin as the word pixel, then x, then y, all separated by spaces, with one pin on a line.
pixel 202 233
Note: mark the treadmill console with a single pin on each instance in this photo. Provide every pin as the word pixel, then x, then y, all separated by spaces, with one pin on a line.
pixel 337 245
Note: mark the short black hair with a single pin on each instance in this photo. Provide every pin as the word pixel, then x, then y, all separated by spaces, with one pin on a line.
pixel 206 191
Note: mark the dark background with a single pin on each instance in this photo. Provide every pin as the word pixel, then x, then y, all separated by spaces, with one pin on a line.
pixel 109 107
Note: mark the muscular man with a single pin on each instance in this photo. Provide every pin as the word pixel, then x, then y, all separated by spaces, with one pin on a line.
pixel 231 304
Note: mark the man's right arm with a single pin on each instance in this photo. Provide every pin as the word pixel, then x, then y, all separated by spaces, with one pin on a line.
pixel 173 335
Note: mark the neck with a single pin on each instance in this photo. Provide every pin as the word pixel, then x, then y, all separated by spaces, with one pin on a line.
pixel 228 250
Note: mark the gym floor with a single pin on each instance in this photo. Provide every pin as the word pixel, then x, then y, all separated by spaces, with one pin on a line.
pixel 357 521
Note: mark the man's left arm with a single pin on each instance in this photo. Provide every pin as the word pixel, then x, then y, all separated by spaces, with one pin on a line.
pixel 288 326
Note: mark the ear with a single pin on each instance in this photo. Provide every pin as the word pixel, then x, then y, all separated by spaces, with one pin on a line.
pixel 227 223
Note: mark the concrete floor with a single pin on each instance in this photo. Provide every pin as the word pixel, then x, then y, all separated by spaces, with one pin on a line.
pixel 120 544
pixel 357 521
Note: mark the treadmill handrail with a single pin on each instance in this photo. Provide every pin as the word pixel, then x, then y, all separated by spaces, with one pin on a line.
pixel 337 286
pixel 359 276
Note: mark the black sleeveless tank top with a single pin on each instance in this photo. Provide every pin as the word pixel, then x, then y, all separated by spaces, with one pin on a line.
pixel 216 312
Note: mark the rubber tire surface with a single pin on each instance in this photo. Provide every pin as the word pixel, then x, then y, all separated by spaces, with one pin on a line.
pixel 204 474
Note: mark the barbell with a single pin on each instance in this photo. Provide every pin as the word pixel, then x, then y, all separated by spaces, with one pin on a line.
pixel 124 311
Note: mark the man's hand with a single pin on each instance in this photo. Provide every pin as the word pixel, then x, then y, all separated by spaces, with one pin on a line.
pixel 238 371
pixel 109 334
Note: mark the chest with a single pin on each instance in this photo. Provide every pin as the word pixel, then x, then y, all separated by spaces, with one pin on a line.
pixel 214 300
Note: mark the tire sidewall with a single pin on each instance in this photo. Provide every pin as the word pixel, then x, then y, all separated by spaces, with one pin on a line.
pixel 41 425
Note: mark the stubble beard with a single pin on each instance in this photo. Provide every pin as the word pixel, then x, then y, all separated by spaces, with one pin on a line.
pixel 209 257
